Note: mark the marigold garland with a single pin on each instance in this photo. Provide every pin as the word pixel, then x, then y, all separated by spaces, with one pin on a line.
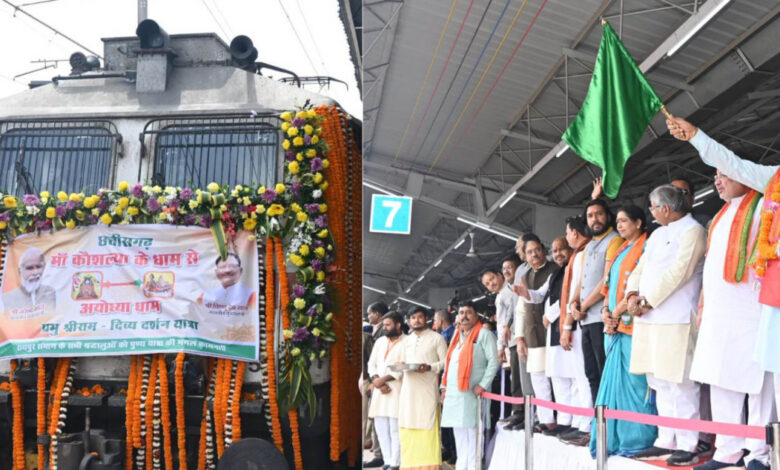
pixel 60 411
pixel 229 405
pixel 276 430
pixel 129 413
pixel 219 414
pixel 41 409
pixel 149 417
pixel 18 421
pixel 766 249
pixel 181 434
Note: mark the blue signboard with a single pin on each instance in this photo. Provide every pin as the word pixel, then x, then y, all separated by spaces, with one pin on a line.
pixel 391 214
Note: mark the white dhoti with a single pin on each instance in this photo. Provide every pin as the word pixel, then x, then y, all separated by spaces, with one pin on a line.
pixel 676 400
pixel 389 439
pixel 466 447
pixel 728 407
pixel 581 393
pixel 564 394
pixel 543 391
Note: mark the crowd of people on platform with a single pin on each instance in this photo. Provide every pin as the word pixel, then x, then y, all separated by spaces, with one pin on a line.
pixel 672 320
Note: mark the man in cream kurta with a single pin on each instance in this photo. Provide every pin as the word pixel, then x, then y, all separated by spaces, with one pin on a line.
pixel 730 319
pixel 418 414
pixel 386 390
pixel 460 406
pixel 662 294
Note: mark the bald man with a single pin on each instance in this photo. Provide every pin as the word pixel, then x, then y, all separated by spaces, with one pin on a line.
pixel 31 297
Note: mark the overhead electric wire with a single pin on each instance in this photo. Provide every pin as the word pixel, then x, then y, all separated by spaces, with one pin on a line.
pixel 295 31
pixel 438 80
pixel 215 3
pixel 16 8
pixel 227 36
pixel 425 79
pixel 476 88
pixel 455 75
pixel 313 39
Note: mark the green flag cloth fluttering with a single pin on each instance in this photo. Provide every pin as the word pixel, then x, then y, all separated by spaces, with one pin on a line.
pixel 617 109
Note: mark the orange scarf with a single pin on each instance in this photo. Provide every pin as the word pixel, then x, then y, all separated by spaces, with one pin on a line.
pixel 737 251
pixel 466 358
pixel 567 275
pixel 626 268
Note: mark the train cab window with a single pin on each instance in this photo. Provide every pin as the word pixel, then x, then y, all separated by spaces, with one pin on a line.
pixel 195 152
pixel 71 156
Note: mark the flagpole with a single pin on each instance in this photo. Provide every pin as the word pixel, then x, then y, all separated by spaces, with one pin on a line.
pixel 663 107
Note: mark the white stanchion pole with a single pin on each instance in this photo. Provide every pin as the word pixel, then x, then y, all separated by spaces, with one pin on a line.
pixel 529 433
pixel 773 439
pixel 480 431
pixel 601 438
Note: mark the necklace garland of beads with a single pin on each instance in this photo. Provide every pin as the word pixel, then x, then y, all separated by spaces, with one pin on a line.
pixel 206 445
pixel 156 414
pixel 129 413
pixel 18 420
pixel 181 437
pixel 140 401
pixel 236 401
pixel 262 302
pixel 61 408
pixel 41 409
pixel 149 416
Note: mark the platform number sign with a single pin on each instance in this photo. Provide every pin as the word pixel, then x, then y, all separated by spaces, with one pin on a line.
pixel 391 214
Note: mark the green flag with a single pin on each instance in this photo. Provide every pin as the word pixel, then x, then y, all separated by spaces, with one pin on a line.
pixel 617 109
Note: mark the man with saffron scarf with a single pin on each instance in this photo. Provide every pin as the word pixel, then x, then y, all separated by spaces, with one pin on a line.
pixel 766 258
pixel 730 315
pixel 472 362
pixel 424 353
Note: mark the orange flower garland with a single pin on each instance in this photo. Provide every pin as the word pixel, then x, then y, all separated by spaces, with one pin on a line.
pixel 237 400
pixel 41 408
pixel 219 414
pixel 57 390
pixel 770 226
pixel 284 294
pixel 166 413
pixel 181 436
pixel 270 302
pixel 18 423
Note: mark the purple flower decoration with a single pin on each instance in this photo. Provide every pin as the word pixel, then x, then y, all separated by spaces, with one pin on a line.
pixel 316 264
pixel 173 204
pixel 318 243
pixel 31 200
pixel 298 291
pixel 321 221
pixel 152 204
pixel 316 164
pixel 205 221
pixel 312 208
pixel 60 211
pixel 289 155
pixel 295 188
pixel 298 122
pixel 102 205
pixel 300 334
pixel 185 193
pixel 137 190
pixel 92 219
pixel 307 140
pixel 189 220
pixel 5 216
pixel 312 311
pixel 41 224
pixel 71 205
pixel 269 195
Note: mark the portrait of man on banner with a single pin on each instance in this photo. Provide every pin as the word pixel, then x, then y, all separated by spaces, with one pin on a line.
pixel 231 298
pixel 31 298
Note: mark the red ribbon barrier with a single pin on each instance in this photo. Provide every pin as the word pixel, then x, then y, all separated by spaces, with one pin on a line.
pixel 726 429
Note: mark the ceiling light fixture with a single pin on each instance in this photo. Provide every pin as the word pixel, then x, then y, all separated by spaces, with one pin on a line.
pixel 506 201
pixel 700 24
pixel 477 299
pixel 459 244
pixel 414 302
pixel 374 289
pixel 378 188
pixel 562 150
pixel 436 264
pixel 486 228
pixel 419 279
pixel 704 193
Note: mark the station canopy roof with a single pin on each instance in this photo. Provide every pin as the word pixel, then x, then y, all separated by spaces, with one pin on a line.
pixel 465 103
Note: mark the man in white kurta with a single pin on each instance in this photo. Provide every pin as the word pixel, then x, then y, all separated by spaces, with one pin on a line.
pixel 418 414
pixel 757 177
pixel 460 403
pixel 730 318
pixel 663 293
pixel 386 390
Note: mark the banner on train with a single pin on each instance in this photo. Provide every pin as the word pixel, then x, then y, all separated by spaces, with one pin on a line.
pixel 134 289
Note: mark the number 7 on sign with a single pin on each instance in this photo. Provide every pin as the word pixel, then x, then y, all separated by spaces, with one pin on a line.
pixel 394 206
